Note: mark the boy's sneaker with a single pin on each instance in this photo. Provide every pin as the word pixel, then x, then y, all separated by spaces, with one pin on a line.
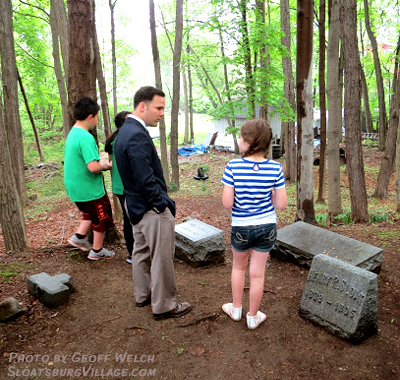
pixel 103 254
pixel 255 321
pixel 82 244
pixel 234 313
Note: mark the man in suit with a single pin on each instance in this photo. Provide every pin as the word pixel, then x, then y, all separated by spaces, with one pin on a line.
pixel 150 209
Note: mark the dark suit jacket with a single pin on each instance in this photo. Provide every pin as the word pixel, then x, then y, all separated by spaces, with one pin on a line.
pixel 141 171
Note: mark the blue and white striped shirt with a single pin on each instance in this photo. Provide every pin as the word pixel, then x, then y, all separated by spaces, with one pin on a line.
pixel 253 182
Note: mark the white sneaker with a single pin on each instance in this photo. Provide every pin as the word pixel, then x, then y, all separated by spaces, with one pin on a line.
pixel 103 254
pixel 234 312
pixel 255 321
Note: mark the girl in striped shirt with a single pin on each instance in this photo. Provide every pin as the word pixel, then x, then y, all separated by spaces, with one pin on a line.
pixel 254 186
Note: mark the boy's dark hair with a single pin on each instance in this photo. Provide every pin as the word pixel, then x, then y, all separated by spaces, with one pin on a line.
pixel 84 107
pixel 119 122
pixel 258 134
pixel 146 94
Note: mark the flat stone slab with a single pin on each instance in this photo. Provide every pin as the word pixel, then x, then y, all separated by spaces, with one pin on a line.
pixel 52 291
pixel 199 244
pixel 300 242
pixel 341 298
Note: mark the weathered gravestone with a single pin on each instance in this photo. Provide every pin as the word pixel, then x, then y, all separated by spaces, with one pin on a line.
pixel 300 242
pixel 341 298
pixel 199 244
pixel 52 291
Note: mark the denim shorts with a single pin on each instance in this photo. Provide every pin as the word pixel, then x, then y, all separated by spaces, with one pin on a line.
pixel 261 238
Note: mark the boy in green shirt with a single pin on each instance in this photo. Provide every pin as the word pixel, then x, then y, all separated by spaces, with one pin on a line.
pixel 84 183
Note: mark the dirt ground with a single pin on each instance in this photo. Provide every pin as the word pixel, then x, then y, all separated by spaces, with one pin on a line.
pixel 101 321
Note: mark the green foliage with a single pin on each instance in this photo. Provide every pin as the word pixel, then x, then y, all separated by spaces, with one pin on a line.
pixel 8 271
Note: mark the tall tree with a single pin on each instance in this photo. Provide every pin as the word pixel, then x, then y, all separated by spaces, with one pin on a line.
pixel 114 59
pixel 352 106
pixel 176 92
pixel 56 31
pixel 305 133
pixel 379 80
pixel 288 127
pixel 389 156
pixel 82 45
pixel 322 101
pixel 11 214
pixel 12 119
pixel 158 81
pixel 334 95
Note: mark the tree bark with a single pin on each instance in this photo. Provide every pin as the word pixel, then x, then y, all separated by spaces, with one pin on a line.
pixel 176 92
pixel 305 134
pixel 379 81
pixel 186 108
pixel 352 106
pixel 288 128
pixel 157 72
pixel 28 110
pixel 56 31
pixel 334 95
pixel 322 102
pixel 11 214
pixel 82 45
pixel 58 7
pixel 12 119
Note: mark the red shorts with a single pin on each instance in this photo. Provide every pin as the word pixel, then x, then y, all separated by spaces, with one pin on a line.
pixel 99 212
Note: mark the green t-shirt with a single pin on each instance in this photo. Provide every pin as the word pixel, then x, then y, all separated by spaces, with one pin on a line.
pixel 116 182
pixel 80 183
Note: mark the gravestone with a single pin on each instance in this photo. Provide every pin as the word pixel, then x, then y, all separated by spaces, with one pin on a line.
pixel 300 242
pixel 199 244
pixel 52 291
pixel 341 298
pixel 9 309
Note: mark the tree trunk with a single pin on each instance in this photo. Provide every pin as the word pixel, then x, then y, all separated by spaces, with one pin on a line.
pixel 334 95
pixel 60 13
pixel 103 93
pixel 322 101
pixel 176 92
pixel 305 134
pixel 28 110
pixel 243 27
pixel 379 81
pixel 82 45
pixel 186 103
pixel 388 159
pixel 288 128
pixel 56 32
pixel 11 214
pixel 114 59
pixel 157 71
pixel 352 106
pixel 367 110
pixel 190 95
pixel 12 119
pixel 232 116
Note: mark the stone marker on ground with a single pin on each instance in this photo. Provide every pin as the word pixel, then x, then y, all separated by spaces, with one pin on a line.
pixel 9 308
pixel 199 244
pixel 300 242
pixel 52 291
pixel 341 298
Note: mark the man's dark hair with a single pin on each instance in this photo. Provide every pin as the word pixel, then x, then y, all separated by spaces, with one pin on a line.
pixel 258 134
pixel 146 94
pixel 84 107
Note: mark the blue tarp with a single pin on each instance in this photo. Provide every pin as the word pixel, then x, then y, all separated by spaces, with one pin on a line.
pixel 190 150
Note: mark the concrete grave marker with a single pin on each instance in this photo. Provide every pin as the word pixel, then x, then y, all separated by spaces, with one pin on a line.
pixel 341 298
pixel 199 244
pixel 300 242
pixel 52 291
